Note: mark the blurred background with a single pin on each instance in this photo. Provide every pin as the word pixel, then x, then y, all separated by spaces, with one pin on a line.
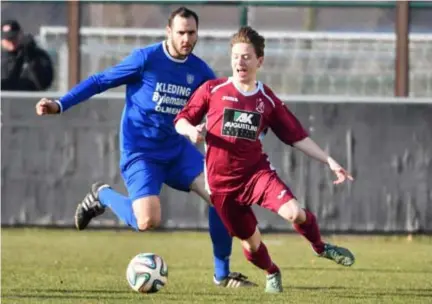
pixel 339 64
pixel 313 47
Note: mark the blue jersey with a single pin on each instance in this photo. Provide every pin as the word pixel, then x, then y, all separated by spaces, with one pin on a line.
pixel 157 88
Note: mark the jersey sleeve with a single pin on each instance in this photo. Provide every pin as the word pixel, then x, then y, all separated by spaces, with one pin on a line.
pixel 128 70
pixel 197 106
pixel 284 124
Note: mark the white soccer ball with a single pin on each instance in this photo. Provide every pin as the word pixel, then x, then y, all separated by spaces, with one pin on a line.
pixel 147 273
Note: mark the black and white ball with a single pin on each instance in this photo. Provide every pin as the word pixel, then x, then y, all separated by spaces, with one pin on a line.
pixel 147 273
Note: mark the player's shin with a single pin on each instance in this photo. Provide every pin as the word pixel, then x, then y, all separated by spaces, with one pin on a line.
pixel 261 259
pixel 310 230
pixel 256 252
pixel 120 205
pixel 222 245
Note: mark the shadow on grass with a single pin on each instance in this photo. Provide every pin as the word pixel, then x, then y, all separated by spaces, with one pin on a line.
pixel 64 290
pixel 384 294
pixel 355 269
pixel 358 292
pixel 116 295
pixel 62 296
pixel 333 268
pixel 52 293
pixel 343 288
pixel 341 292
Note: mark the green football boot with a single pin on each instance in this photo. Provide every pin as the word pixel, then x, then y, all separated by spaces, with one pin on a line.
pixel 274 283
pixel 337 254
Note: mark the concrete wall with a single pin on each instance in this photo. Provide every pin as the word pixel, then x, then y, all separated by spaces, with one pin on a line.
pixel 49 163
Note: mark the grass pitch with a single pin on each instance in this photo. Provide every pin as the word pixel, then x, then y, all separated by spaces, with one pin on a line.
pixel 66 266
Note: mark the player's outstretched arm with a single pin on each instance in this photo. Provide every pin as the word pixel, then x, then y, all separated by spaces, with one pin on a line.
pixel 127 71
pixel 310 148
pixel 289 130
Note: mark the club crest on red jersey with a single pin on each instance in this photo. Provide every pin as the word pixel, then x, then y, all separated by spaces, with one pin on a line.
pixel 260 106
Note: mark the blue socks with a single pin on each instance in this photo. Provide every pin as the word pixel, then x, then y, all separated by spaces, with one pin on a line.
pixel 222 245
pixel 119 204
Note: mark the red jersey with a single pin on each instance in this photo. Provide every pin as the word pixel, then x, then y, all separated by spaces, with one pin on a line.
pixel 234 121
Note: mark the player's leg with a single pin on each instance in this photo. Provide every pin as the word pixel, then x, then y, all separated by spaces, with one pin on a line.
pixel 242 223
pixel 141 210
pixel 143 179
pixel 222 246
pixel 186 173
pixel 256 252
pixel 221 240
pixel 278 198
pixel 91 206
pixel 141 214
pixel 147 211
pixel 119 204
pixel 305 223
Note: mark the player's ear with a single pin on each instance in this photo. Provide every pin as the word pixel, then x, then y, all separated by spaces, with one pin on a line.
pixel 168 31
pixel 260 61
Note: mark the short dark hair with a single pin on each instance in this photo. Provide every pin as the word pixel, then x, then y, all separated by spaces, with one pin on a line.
pixel 246 34
pixel 183 12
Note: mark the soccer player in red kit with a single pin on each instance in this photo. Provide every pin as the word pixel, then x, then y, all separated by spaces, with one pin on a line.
pixel 237 110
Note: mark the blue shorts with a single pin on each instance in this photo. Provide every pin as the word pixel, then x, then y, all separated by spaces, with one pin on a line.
pixel 144 175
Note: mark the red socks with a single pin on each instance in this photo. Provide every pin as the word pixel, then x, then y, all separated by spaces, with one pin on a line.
pixel 261 259
pixel 309 229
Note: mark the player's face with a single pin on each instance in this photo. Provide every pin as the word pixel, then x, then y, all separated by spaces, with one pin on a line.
pixel 182 36
pixel 244 62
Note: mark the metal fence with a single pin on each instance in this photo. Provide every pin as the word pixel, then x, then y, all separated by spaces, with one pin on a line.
pixel 295 65
pixel 309 63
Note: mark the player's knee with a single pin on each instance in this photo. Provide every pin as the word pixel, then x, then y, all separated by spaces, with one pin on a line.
pixel 147 212
pixel 199 187
pixel 147 222
pixel 292 212
pixel 252 243
pixel 296 212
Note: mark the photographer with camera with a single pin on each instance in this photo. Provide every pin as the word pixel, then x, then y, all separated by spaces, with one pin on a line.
pixel 24 66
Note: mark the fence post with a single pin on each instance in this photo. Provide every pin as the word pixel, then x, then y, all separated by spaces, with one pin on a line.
pixel 402 48
pixel 243 14
pixel 73 36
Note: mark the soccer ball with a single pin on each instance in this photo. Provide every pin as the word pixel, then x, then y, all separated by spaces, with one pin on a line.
pixel 147 273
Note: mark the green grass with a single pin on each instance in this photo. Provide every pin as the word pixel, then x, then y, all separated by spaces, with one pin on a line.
pixel 66 266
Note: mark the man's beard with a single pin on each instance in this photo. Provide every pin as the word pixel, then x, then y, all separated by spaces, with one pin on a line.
pixel 179 52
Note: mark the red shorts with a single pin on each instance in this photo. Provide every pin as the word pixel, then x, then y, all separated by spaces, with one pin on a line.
pixel 264 188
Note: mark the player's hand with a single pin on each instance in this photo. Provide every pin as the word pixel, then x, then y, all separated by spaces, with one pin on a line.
pixel 340 172
pixel 196 134
pixel 46 106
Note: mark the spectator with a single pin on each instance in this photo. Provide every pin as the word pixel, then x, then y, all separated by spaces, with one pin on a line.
pixel 24 66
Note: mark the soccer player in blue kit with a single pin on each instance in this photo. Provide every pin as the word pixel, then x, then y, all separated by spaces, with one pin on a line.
pixel 159 80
